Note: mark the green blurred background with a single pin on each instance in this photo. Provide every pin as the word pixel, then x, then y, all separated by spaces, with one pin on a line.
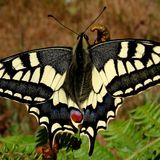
pixel 24 25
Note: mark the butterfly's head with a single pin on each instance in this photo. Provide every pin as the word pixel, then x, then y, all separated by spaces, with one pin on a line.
pixel 83 40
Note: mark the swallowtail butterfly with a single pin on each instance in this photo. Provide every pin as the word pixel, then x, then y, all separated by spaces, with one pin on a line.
pixel 77 90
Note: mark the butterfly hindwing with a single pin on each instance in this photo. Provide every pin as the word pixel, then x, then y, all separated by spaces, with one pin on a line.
pixel 127 66
pixel 33 76
pixel 95 119
pixel 55 118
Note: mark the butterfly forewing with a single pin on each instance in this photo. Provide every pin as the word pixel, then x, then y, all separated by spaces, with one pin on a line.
pixel 127 66
pixel 33 76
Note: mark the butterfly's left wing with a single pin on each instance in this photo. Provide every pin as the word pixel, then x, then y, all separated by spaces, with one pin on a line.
pixel 127 67
pixel 55 118
pixel 35 78
pixel 32 77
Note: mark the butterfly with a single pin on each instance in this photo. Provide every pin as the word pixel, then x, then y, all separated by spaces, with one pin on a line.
pixel 79 89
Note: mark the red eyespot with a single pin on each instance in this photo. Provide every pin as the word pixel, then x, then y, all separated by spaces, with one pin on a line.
pixel 76 116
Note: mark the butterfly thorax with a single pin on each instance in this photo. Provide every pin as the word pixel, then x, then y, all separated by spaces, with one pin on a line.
pixel 78 80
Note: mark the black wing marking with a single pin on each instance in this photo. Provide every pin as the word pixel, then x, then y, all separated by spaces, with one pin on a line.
pixel 127 66
pixel 33 76
pixel 96 119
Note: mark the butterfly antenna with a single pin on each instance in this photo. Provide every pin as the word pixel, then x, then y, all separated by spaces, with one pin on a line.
pixel 95 19
pixel 62 24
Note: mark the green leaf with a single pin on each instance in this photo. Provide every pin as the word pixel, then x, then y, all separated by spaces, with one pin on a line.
pixel 18 147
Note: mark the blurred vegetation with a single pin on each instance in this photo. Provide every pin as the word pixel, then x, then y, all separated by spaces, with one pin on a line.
pixel 24 25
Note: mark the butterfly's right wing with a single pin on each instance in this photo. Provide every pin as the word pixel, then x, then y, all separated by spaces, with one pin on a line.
pixel 127 66
pixel 33 76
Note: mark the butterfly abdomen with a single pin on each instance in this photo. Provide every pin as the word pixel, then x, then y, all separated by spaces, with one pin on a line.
pixel 78 81
pixel 82 83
